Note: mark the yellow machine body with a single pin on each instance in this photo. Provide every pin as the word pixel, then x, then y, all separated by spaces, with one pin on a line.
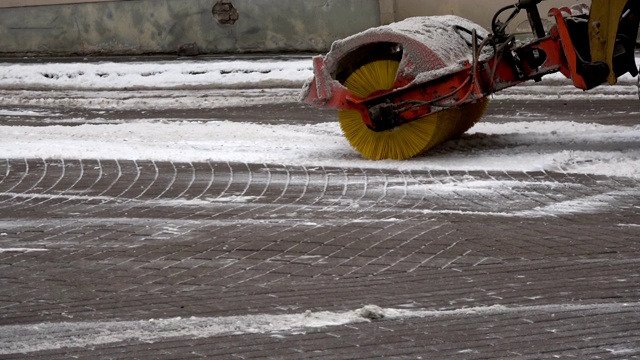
pixel 604 21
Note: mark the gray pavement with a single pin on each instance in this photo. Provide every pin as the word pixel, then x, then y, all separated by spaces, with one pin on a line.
pixel 488 274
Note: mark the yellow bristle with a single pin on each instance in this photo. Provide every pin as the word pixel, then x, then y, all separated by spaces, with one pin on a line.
pixel 404 141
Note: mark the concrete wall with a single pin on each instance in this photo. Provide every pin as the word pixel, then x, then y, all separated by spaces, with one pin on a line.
pixel 480 12
pixel 132 27
pixel 163 26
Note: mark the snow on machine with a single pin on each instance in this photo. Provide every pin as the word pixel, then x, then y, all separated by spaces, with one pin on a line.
pixel 403 88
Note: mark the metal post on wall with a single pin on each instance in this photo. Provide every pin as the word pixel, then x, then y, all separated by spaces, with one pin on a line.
pixel 387 11
pixel 27 3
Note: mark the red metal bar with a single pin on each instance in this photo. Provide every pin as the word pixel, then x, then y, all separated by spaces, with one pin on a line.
pixel 462 87
pixel 569 50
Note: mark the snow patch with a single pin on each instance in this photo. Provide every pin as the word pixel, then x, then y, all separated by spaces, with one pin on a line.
pixel 208 74
pixel 20 250
pixel 156 99
pixel 16 339
pixel 15 113
pixel 475 186
pixel 234 199
pixel 533 146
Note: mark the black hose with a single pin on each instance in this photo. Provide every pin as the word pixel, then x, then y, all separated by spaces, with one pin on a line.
pixel 494 26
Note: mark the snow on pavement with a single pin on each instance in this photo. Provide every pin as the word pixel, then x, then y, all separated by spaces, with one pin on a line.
pixel 540 146
pixel 544 146
pixel 154 75
pixel 211 74
pixel 49 336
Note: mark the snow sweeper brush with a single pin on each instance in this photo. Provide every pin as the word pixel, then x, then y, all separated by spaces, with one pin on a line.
pixel 403 88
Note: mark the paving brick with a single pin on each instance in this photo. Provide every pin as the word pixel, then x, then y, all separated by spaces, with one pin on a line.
pixel 121 259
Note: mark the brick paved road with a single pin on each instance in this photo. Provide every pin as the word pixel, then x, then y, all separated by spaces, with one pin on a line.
pixel 549 267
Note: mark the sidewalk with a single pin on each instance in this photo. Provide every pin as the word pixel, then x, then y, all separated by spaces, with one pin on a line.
pixel 142 259
pixel 153 230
